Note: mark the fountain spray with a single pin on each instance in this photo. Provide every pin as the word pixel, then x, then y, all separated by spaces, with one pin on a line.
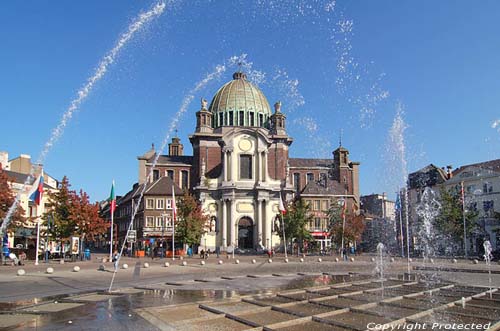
pixel 218 71
pixel 487 258
pixel 397 151
pixel 137 25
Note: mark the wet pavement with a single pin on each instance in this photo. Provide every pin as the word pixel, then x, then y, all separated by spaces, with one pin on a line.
pixel 256 296
pixel 318 302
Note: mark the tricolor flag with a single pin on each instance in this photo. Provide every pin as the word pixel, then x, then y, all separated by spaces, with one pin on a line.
pixel 462 192
pixel 174 208
pixel 344 207
pixel 282 206
pixel 36 192
pixel 112 198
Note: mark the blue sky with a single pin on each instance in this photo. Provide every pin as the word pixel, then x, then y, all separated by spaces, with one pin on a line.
pixel 353 62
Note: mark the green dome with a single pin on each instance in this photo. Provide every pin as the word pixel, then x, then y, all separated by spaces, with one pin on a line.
pixel 240 103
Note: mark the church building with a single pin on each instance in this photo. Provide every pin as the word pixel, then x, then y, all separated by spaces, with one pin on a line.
pixel 239 171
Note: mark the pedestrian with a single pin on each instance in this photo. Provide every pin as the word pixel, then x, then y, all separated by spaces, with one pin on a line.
pixel 116 257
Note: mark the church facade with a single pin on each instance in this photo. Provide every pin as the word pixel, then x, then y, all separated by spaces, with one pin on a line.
pixel 239 171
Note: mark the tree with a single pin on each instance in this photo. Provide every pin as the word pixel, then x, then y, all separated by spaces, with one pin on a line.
pixel 58 213
pixel 295 221
pixel 352 229
pixel 191 220
pixel 86 217
pixel 450 221
pixel 7 198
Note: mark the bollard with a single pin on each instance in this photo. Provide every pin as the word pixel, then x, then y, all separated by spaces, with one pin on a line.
pixel 253 261
pixel 319 259
pixel 270 261
pixel 76 268
pixel 125 266
pixel 167 264
pixel 184 263
pixel 392 260
pixel 146 265
pixel 352 259
pixel 21 272
pixel 301 259
pixel 372 259
pixel 101 267
pixel 455 261
pixel 286 260
pixel 336 259
pixel 202 262
pixel 220 262
pixel 475 261
pixel 61 261
pixel 50 270
pixel 237 261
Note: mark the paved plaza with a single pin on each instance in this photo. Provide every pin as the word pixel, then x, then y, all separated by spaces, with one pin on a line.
pixel 247 292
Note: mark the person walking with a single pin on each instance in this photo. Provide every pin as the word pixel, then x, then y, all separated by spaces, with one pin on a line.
pixel 116 257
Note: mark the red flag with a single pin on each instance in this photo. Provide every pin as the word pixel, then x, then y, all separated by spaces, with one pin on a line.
pixel 282 206
pixel 462 192
pixel 344 207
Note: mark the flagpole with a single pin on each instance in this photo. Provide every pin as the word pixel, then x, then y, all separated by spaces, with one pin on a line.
pixel 112 224
pixel 463 217
pixel 343 224
pixel 38 234
pixel 401 223
pixel 40 204
pixel 173 223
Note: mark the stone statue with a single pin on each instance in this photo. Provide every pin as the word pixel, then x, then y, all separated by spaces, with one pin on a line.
pixel 204 103
pixel 203 168
pixel 277 107
pixel 287 174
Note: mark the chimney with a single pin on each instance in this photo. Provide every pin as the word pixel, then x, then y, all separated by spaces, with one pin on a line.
pixel 4 160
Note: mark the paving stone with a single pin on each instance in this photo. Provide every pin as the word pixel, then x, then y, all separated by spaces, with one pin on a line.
pixel 51 307
pixel 11 320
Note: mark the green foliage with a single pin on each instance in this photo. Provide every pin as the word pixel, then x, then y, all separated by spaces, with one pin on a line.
pixel 450 219
pixel 295 220
pixel 58 212
pixel 191 220
pixel 353 228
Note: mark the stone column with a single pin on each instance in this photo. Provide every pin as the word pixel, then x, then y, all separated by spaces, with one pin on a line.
pixel 259 220
pixel 232 166
pixel 232 217
pixel 224 165
pixel 267 223
pixel 224 225
pixel 264 168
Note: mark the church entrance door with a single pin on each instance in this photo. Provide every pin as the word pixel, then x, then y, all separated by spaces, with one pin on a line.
pixel 245 233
